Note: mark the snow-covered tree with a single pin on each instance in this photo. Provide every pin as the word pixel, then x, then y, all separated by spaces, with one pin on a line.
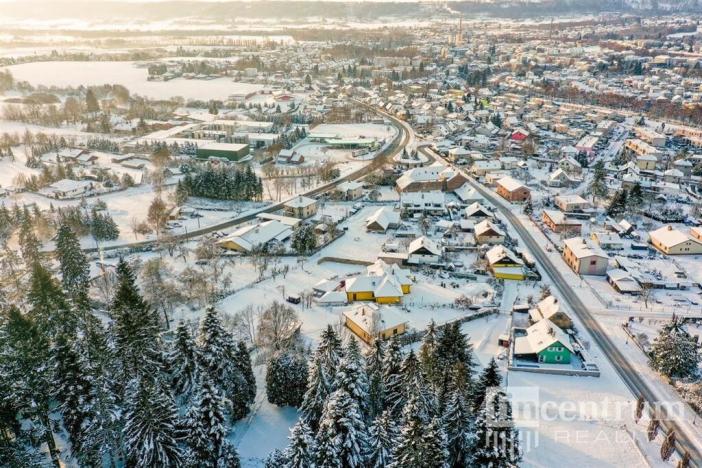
pixel 674 352
pixel 489 378
pixel 351 376
pixel 382 435
pixel 242 357
pixel 206 426
pixel 329 352
pixel 286 379
pixel 136 327
pixel 496 439
pixel 458 424
pixel 316 394
pixel 341 438
pixel 75 273
pixel 374 371
pixel 410 449
pixel 394 390
pixel 183 363
pixel 427 354
pixel 151 423
pixel 302 450
pixel 415 385
pixel 436 454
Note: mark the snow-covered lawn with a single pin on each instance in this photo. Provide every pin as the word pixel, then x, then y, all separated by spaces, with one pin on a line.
pixel 64 74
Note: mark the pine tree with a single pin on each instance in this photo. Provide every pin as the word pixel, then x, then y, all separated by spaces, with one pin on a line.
pixel 427 355
pixel 617 205
pixel 151 423
pixel 454 348
pixel 351 376
pixel 136 326
pixel 415 385
pixel 183 363
pixel 382 435
pixel 243 363
pixel 217 351
pixel 206 426
pixel 28 242
pixel 341 438
pixel 489 378
pixel 276 459
pixel 75 273
pixel 286 379
pixel 636 197
pixel 496 439
pixel 436 453
pixel 317 391
pixel 24 361
pixel 410 449
pixel 394 390
pixel 374 371
pixel 458 423
pixel 329 352
pixel 302 450
pixel 71 388
pixel 48 303
pixel 675 352
pixel 598 186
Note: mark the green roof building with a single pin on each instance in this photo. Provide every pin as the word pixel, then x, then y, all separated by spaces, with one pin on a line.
pixel 229 151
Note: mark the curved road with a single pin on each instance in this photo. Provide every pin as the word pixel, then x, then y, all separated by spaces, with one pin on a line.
pixel 636 384
pixel 405 135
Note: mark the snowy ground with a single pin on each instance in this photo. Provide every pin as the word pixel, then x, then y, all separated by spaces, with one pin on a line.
pixel 64 74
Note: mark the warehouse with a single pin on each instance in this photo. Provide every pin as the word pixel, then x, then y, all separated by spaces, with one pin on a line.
pixel 230 151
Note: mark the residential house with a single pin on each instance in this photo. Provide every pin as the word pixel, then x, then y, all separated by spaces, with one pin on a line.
pixel 487 232
pixel 383 219
pixel 249 238
pixel 512 190
pixel 549 308
pixel 478 210
pixel 571 203
pixel 350 190
pixel 412 203
pixel 371 322
pixel 585 258
pixel 672 241
pixel 504 264
pixel 423 250
pixel 300 207
pixel 558 222
pixel 544 342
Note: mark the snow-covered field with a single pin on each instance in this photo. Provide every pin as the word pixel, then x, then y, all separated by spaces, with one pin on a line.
pixel 64 74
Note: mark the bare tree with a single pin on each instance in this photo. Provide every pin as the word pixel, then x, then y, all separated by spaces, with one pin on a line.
pixel 277 325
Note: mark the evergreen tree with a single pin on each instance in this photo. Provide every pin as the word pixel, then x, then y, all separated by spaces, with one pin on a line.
pixel 598 186
pixel 136 327
pixel 394 390
pixel 183 363
pixel 675 353
pixel 242 358
pixel 151 423
pixel 302 450
pixel 415 385
pixel 351 376
pixel 458 424
pixel 317 391
pixel 71 388
pixel 48 304
pixel 28 242
pixel 276 459
pixel 454 348
pixel 91 102
pixel 286 379
pixel 496 439
pixel 489 378
pixel 427 355
pixel 374 371
pixel 24 361
pixel 617 206
pixel 206 427
pixel 410 448
pixel 435 444
pixel 382 435
pixel 217 351
pixel 341 438
pixel 75 272
pixel 635 197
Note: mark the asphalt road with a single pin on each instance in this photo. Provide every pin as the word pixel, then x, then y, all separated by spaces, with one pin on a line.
pixel 402 139
pixel 631 378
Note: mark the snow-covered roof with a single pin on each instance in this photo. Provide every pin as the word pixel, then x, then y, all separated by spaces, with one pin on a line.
pixel 668 236
pixel 510 183
pixel 581 248
pixel 251 236
pixel 485 225
pixel 468 194
pixel 499 252
pixel 300 202
pixel 540 336
pixel 373 318
pixel 384 217
pixel 423 242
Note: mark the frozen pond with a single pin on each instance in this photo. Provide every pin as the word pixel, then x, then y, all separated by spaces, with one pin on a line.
pixel 65 74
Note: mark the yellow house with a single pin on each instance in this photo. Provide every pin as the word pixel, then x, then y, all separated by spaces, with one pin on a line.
pixel 671 241
pixel 401 275
pixel 504 264
pixel 381 289
pixel 370 322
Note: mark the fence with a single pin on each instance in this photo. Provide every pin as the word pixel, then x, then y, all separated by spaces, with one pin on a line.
pixel 415 336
